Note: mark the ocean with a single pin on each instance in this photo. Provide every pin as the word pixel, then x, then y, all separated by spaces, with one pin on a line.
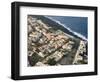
pixel 78 25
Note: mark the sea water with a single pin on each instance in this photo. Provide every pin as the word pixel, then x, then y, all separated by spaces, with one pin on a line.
pixel 78 25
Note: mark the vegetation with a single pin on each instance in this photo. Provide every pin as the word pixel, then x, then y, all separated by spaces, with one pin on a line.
pixel 34 59
pixel 52 61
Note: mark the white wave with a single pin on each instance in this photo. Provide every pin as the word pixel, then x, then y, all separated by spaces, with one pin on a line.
pixel 75 33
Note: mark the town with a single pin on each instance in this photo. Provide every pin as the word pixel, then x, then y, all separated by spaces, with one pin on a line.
pixel 50 46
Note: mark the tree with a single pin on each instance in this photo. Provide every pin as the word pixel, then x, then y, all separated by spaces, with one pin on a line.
pixel 52 61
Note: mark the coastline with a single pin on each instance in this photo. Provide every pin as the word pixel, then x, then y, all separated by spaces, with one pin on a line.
pixel 74 33
pixel 49 43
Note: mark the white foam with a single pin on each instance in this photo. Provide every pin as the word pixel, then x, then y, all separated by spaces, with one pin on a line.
pixel 75 33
